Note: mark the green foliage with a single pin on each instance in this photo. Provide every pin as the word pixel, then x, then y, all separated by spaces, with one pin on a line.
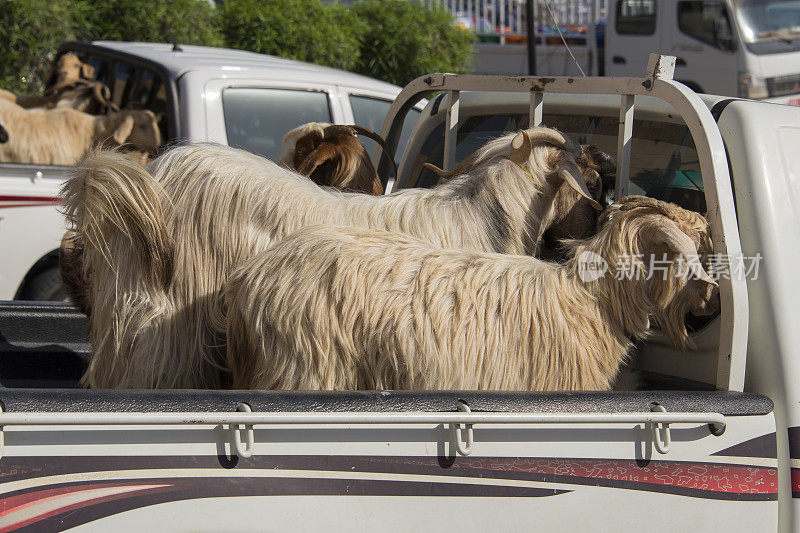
pixel 394 40
pixel 30 33
pixel 307 30
pixel 184 21
pixel 406 39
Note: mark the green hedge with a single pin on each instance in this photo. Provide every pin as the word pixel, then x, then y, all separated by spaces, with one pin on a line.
pixel 184 21
pixel 30 33
pixel 307 30
pixel 393 40
pixel 405 40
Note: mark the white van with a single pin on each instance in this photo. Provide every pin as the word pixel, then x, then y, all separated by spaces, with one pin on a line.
pixel 746 48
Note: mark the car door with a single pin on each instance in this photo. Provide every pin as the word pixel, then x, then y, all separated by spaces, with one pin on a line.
pixel 632 35
pixel 704 44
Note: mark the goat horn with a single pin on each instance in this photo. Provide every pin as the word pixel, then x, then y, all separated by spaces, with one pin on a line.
pixel 521 147
pixel 572 175
pixel 438 171
pixel 555 138
pixel 102 95
pixel 683 244
pixel 378 139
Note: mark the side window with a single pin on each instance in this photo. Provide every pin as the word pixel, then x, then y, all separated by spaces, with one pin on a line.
pixel 122 83
pixel 636 17
pixel 706 21
pixel 370 113
pixel 256 119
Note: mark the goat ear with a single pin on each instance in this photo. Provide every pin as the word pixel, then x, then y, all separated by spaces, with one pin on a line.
pixel 87 71
pixel 673 238
pixel 123 129
pixel 571 174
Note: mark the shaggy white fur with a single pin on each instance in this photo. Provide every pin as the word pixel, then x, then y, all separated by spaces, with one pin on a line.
pixel 156 247
pixel 350 308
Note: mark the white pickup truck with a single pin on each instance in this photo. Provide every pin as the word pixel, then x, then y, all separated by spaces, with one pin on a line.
pixel 710 441
pixel 219 95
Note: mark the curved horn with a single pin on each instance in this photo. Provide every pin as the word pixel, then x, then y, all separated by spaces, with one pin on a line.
pixel 102 94
pixel 378 139
pixel 438 171
pixel 556 138
pixel 571 174
pixel 683 244
pixel 520 148
pixel 3 134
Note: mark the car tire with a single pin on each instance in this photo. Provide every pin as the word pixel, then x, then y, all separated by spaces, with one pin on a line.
pixel 45 286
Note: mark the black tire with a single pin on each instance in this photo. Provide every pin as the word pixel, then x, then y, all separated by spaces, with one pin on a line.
pixel 45 286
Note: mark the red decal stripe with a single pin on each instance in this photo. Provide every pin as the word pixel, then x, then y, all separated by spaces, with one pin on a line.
pixel 92 494
pixel 796 482
pixel 29 198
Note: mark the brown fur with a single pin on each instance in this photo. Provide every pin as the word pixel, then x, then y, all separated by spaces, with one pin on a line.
pixel 332 155
pixel 68 68
pixel 349 308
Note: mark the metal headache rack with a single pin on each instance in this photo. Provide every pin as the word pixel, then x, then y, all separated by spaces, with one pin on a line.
pixel 657 83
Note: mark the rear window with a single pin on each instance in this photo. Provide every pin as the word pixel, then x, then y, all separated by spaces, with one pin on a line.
pixel 664 162
pixel 256 119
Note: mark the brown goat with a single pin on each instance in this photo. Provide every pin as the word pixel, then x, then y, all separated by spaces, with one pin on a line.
pixel 68 68
pixel 332 155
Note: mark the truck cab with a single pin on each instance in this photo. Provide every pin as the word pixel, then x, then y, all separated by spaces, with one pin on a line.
pixel 728 47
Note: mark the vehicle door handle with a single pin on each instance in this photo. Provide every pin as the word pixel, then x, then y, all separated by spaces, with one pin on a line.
pixel 618 60
pixel 680 62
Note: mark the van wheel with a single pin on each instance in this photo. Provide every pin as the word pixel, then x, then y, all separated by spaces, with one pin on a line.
pixel 45 286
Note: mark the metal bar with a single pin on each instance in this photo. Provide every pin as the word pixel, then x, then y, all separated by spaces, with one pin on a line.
pixel 451 131
pixel 244 418
pixel 626 110
pixel 536 113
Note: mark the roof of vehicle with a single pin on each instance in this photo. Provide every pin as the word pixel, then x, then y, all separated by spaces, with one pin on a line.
pixel 230 61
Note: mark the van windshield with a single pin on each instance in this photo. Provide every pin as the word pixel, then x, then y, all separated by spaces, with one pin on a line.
pixel 769 21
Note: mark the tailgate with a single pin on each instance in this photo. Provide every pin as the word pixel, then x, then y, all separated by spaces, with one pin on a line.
pixel 168 460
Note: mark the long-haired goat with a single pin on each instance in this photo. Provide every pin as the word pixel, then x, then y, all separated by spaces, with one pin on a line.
pixel 350 308
pixel 160 247
pixel 62 136
pixel 332 155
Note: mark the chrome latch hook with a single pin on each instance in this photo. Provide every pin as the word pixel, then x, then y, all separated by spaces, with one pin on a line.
pixel 662 446
pixel 463 448
pixel 245 451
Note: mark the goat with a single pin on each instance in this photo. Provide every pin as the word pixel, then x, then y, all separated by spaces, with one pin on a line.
pixel 331 154
pixel 352 308
pixel 68 68
pixel 91 97
pixel 161 243
pixel 62 136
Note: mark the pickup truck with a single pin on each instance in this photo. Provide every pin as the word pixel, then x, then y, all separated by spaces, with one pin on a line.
pixel 710 440
pixel 233 97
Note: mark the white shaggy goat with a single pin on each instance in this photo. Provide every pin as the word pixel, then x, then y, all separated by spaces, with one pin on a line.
pixel 350 308
pixel 161 245
pixel 62 136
